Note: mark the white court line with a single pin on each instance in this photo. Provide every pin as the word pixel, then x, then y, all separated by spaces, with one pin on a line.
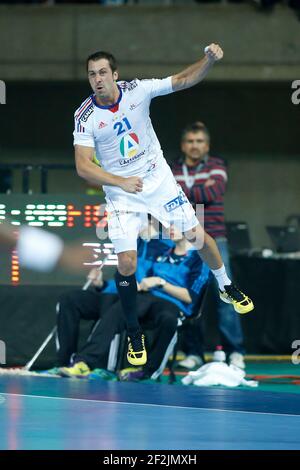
pixel 149 404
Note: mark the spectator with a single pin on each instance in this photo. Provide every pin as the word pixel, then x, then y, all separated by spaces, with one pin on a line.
pixel 170 279
pixel 176 277
pixel 95 304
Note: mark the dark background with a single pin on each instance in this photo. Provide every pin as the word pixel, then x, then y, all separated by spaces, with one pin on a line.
pixel 247 117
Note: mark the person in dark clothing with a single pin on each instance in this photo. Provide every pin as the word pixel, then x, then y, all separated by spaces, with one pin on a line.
pixel 97 304
pixel 170 277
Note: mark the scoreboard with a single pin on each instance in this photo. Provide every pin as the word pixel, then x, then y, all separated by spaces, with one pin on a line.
pixel 72 217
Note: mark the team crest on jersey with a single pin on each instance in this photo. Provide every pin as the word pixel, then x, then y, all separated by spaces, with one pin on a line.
pixel 129 145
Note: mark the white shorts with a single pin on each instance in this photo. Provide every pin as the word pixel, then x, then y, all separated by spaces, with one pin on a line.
pixel 162 197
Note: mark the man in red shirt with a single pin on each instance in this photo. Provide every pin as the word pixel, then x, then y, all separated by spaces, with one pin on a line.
pixel 203 179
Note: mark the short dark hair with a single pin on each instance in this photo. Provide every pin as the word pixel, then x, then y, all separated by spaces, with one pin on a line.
pixel 195 127
pixel 103 55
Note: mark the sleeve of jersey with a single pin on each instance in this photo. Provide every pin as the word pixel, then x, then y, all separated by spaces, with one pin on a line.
pixel 83 134
pixel 157 87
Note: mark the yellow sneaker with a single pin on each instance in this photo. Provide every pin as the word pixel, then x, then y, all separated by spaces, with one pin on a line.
pixel 79 370
pixel 240 302
pixel 137 354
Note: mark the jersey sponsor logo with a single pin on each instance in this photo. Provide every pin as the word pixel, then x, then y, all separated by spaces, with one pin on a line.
pixel 101 125
pixel 152 166
pixel 129 145
pixel 126 161
pixel 84 117
pixel 134 106
pixel 128 85
pixel 176 202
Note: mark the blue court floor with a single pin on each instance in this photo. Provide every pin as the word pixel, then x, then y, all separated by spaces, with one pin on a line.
pixel 49 413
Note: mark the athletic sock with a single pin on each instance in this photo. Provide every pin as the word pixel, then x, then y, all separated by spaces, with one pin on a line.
pixel 127 289
pixel 221 277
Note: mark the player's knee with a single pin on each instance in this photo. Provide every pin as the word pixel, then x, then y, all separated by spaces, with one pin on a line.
pixel 127 263
pixel 197 237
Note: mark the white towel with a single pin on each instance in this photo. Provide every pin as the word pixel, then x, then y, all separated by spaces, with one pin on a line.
pixel 218 373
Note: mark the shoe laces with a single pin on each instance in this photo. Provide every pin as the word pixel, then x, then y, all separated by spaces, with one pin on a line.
pixel 136 342
pixel 234 293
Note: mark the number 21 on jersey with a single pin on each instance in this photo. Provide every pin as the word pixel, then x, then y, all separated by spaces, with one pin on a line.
pixel 122 126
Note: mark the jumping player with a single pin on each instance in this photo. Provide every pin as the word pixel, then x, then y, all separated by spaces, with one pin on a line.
pixel 114 124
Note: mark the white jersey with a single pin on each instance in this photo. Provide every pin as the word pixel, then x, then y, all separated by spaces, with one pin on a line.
pixel 125 144
pixel 122 134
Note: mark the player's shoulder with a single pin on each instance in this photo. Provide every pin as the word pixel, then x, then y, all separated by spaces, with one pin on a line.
pixel 85 110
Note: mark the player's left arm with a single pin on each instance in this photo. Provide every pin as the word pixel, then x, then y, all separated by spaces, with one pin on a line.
pixel 196 72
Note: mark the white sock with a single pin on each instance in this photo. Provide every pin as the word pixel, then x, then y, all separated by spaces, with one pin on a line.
pixel 221 277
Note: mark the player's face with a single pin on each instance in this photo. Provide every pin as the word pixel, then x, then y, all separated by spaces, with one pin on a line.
pixel 195 145
pixel 102 79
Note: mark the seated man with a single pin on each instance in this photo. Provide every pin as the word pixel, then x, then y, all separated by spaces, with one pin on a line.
pixel 171 287
pixel 95 304
pixel 170 280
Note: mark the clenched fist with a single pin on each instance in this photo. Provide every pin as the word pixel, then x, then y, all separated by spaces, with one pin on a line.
pixel 132 184
pixel 214 52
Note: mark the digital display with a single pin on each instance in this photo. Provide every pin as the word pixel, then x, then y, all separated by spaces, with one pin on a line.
pixel 72 218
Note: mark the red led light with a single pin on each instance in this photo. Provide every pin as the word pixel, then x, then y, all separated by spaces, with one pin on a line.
pixel 74 213
pixel 15 275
